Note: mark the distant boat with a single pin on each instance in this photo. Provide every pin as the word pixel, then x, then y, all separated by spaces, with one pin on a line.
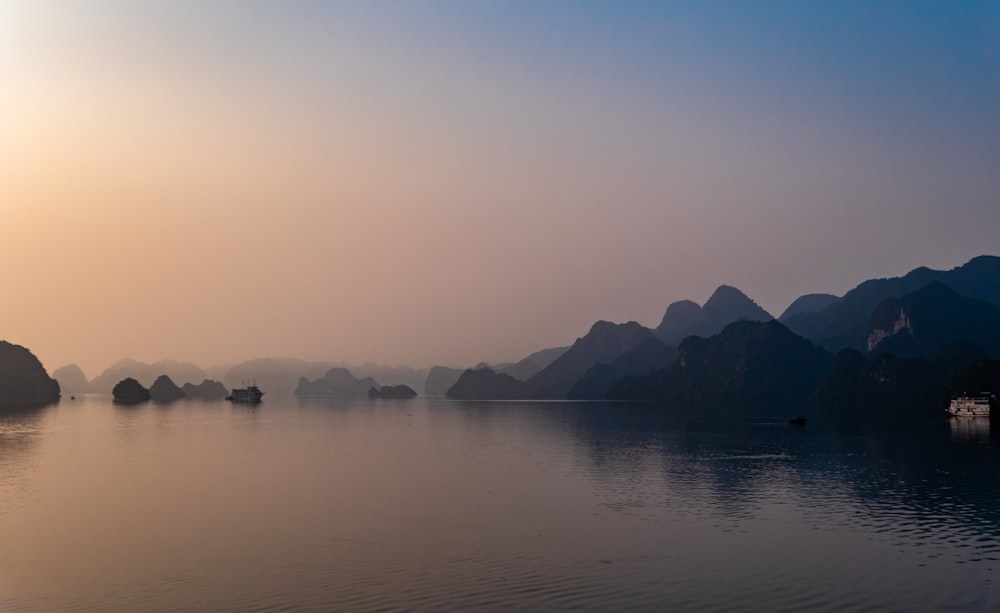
pixel 797 421
pixel 971 406
pixel 250 394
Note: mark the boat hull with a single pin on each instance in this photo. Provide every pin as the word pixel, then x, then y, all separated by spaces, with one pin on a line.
pixel 966 406
pixel 249 395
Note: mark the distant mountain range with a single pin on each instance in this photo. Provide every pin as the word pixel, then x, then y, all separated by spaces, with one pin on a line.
pixel 912 332
pixel 846 322
pixel 604 343
pixel 755 364
pixel 275 375
pixel 898 338
pixel 441 378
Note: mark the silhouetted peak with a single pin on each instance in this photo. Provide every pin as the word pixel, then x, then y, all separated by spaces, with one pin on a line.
pixel 728 299
pixel 809 303
pixel 982 263
pixel 683 307
pixel 602 327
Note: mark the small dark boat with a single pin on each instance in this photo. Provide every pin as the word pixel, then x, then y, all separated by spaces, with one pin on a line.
pixel 797 421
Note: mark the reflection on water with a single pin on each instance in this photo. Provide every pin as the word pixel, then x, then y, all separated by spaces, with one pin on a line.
pixel 429 504
pixel 970 429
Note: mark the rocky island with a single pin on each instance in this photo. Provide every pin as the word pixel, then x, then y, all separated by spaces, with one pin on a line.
pixel 130 391
pixel 24 382
pixel 392 391
pixel 165 390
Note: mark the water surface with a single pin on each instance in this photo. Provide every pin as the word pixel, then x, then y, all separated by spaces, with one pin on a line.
pixel 430 504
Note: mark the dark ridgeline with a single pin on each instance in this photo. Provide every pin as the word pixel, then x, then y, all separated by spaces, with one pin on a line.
pixel 604 343
pixel 441 378
pixel 809 303
pixel 922 323
pixel 901 344
pixel 485 384
pixel 750 365
pixel 24 382
pixel 130 391
pixel 846 322
pixel 535 363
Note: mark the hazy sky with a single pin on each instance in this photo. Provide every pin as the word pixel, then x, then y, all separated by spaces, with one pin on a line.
pixel 448 182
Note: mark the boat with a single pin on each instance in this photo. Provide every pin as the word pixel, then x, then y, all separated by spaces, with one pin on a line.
pixel 971 406
pixel 250 394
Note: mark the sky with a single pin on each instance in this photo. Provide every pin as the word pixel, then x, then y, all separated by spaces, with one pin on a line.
pixel 451 182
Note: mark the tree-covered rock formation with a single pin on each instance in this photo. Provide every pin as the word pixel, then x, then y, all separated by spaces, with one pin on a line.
pixel 206 390
pixel 846 322
pixel 130 391
pixel 392 391
pixel 751 366
pixel 23 379
pixel 485 384
pixel 648 356
pixel 164 390
pixel 809 303
pixel 338 382
pixel 977 378
pixel 922 323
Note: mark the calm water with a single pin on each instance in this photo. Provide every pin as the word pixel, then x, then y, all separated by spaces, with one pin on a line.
pixel 429 504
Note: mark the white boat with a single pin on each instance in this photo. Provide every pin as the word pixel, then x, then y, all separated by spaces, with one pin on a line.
pixel 971 406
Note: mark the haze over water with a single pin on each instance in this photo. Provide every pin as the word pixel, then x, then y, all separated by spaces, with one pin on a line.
pixel 429 504
pixel 222 181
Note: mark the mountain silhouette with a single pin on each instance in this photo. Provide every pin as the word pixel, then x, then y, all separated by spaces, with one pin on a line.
pixel 530 366
pixel 130 391
pixel 23 379
pixel 750 365
pixel 648 356
pixel 922 323
pixel 165 390
pixel 71 379
pixel 846 322
pixel 440 379
pixel 486 384
pixel 728 304
pixel 605 342
pixel 810 303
